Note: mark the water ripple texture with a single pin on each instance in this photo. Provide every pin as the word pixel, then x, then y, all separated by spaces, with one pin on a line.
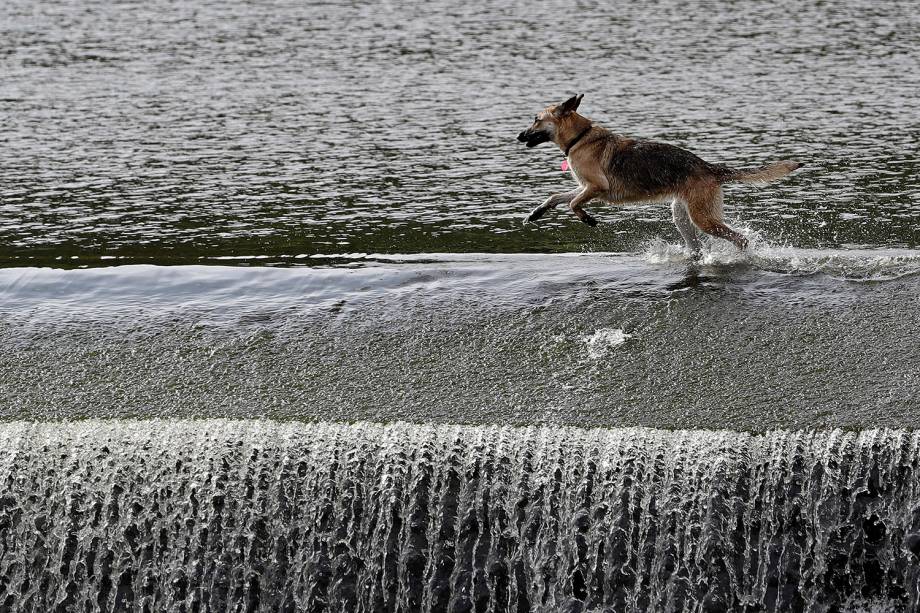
pixel 169 132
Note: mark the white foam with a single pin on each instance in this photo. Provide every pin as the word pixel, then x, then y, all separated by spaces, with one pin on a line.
pixel 851 264
pixel 603 341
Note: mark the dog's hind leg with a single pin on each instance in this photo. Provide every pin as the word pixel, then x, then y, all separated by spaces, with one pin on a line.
pixel 551 203
pixel 687 230
pixel 704 205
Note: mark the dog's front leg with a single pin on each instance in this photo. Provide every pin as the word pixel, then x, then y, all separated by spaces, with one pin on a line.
pixel 551 203
pixel 584 197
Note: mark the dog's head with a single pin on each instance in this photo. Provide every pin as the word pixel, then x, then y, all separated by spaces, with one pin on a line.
pixel 546 123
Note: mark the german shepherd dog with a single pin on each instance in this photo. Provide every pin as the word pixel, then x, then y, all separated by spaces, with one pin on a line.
pixel 622 170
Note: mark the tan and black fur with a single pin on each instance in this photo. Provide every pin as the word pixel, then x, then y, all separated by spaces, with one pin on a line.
pixel 622 170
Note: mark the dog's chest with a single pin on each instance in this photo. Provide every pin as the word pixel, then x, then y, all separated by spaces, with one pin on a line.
pixel 574 172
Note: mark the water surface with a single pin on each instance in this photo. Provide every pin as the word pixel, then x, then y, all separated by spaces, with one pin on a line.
pixel 787 338
pixel 170 132
pixel 282 216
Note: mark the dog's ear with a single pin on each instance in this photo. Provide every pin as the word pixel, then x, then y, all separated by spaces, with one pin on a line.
pixel 569 106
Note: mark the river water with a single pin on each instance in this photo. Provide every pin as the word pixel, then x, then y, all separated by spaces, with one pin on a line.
pixel 285 217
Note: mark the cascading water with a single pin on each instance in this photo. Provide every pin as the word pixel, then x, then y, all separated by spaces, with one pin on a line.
pixel 267 516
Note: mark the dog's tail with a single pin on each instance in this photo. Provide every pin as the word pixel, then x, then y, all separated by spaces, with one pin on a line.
pixel 770 172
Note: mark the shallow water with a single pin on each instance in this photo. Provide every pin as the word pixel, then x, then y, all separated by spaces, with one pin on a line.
pixel 786 338
pixel 298 212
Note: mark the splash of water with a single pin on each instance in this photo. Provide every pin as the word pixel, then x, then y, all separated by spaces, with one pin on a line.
pixel 263 516
pixel 603 341
pixel 851 264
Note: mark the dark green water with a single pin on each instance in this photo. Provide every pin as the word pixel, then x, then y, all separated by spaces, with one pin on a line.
pixel 178 133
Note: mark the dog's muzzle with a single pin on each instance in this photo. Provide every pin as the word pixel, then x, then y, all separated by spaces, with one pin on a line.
pixel 532 139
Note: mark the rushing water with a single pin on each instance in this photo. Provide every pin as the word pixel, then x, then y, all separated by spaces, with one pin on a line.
pixel 787 338
pixel 221 516
pixel 301 214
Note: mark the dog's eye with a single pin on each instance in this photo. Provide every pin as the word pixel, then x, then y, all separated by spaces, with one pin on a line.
pixel 536 118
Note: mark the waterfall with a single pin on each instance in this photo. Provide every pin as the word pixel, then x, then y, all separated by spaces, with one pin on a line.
pixel 268 516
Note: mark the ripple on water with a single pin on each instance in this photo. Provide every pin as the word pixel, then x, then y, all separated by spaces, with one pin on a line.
pixel 239 130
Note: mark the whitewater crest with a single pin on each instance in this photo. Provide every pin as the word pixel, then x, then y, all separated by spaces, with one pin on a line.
pixel 603 341
pixel 849 264
pixel 265 516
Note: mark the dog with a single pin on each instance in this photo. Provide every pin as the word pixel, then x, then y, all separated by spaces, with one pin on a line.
pixel 621 170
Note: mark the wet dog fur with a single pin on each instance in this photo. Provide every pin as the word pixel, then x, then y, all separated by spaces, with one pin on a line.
pixel 621 170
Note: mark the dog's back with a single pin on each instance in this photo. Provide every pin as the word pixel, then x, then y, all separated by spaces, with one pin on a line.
pixel 648 168
pixel 648 171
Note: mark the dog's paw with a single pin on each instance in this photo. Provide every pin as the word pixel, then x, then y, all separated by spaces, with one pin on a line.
pixel 588 219
pixel 535 214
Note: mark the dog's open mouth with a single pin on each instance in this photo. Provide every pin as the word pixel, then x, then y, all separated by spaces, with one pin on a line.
pixel 532 139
